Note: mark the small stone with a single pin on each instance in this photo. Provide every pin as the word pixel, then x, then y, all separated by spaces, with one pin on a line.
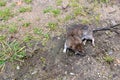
pixel 108 32
pixel 113 22
pixel 98 73
pixel 34 72
pixel 65 72
pixel 72 74
pixel 115 64
pixel 18 67
pixel 110 52
pixel 118 61
pixel 65 4
pixel 58 37
pixel 88 59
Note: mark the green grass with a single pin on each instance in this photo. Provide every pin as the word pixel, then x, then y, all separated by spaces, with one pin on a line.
pixel 13 28
pixel 74 4
pixel 3 27
pixel 48 9
pixel 2 2
pixel 108 59
pixel 27 38
pixel 2 62
pixel 5 14
pixel 68 17
pixel 58 2
pixel 52 25
pixel 38 31
pixel 78 11
pixel 20 19
pixel 28 1
pixel 26 24
pixel 56 12
pixel 47 36
pixel 11 51
pixel 25 9
pixel 41 33
pixel 13 4
pixel 103 1
pixel 43 60
pixel 97 18
pixel 2 37
pixel 85 21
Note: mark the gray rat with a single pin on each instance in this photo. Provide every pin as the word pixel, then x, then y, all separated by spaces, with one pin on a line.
pixel 74 38
pixel 78 34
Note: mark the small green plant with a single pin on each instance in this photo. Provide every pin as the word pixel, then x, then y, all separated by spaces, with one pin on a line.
pixel 97 18
pixel 2 2
pixel 38 31
pixel 56 12
pixel 47 36
pixel 13 4
pixel 78 11
pixel 74 4
pixel 2 62
pixel 108 59
pixel 26 24
pixel 104 1
pixel 58 2
pixel 28 1
pixel 48 9
pixel 38 19
pixel 2 37
pixel 5 14
pixel 20 19
pixel 43 60
pixel 52 25
pixel 25 9
pixel 13 28
pixel 27 38
pixel 11 51
pixel 3 26
pixel 68 17
pixel 101 1
pixel 85 21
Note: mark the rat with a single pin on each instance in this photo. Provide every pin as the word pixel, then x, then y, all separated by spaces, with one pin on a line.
pixel 74 38
pixel 79 34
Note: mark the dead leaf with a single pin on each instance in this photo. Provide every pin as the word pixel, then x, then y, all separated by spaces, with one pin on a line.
pixel 19 2
pixel 118 61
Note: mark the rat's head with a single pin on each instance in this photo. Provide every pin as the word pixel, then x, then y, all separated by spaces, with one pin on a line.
pixel 79 49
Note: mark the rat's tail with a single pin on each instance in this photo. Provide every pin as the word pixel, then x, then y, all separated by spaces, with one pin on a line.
pixel 106 28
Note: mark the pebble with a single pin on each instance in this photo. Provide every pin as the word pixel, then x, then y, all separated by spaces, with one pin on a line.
pixel 58 38
pixel 18 67
pixel 72 74
pixel 65 4
pixel 110 52
pixel 34 72
pixel 65 72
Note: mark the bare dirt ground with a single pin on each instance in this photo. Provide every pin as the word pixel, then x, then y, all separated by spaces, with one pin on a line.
pixel 48 62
